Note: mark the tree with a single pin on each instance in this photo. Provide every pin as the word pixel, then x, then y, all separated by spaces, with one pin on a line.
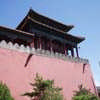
pixel 5 92
pixel 84 94
pixel 44 90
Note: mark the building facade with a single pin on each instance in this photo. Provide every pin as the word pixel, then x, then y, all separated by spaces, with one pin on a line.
pixel 42 45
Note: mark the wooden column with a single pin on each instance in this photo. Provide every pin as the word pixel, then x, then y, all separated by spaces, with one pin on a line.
pixel 32 44
pixel 65 50
pixel 72 52
pixel 51 46
pixel 48 45
pixel 77 52
pixel 40 42
pixel 65 53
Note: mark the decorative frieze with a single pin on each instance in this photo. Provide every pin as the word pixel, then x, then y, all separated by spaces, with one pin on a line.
pixel 27 49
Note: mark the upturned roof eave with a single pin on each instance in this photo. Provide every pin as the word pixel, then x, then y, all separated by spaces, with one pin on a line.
pixel 66 27
pixel 28 17
pixel 15 30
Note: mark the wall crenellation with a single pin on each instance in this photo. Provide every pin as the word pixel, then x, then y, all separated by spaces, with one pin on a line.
pixel 27 49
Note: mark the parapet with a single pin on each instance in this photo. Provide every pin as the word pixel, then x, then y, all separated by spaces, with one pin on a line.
pixel 40 52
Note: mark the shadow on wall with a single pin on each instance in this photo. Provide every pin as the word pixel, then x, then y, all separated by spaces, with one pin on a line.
pixel 28 59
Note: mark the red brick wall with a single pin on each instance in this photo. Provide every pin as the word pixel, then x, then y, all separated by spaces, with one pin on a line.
pixel 17 76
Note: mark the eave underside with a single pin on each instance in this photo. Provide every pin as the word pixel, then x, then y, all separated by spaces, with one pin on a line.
pixel 9 34
pixel 54 31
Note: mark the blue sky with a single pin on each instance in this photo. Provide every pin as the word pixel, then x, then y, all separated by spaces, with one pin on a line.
pixel 83 14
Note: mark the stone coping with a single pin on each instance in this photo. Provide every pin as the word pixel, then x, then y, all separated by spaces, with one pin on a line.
pixel 40 52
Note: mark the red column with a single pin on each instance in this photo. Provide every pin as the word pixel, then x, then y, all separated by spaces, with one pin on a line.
pixel 32 44
pixel 77 52
pixel 65 50
pixel 40 43
pixel 72 52
pixel 51 46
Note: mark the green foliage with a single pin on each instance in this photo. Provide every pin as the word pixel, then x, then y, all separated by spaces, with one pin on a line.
pixel 84 94
pixel 5 92
pixel 44 90
pixel 52 94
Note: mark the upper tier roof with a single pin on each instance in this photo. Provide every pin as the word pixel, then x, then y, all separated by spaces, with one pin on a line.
pixel 50 24
pixel 45 20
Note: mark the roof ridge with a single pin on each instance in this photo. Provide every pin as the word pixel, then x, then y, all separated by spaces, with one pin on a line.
pixel 51 18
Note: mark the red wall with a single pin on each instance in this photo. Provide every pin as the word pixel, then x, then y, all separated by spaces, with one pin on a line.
pixel 66 74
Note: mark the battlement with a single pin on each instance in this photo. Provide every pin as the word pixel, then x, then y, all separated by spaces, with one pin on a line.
pixel 40 52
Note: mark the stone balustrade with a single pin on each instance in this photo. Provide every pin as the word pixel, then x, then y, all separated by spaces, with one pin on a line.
pixel 27 49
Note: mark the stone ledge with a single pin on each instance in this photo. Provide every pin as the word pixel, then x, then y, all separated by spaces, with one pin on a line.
pixel 27 49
